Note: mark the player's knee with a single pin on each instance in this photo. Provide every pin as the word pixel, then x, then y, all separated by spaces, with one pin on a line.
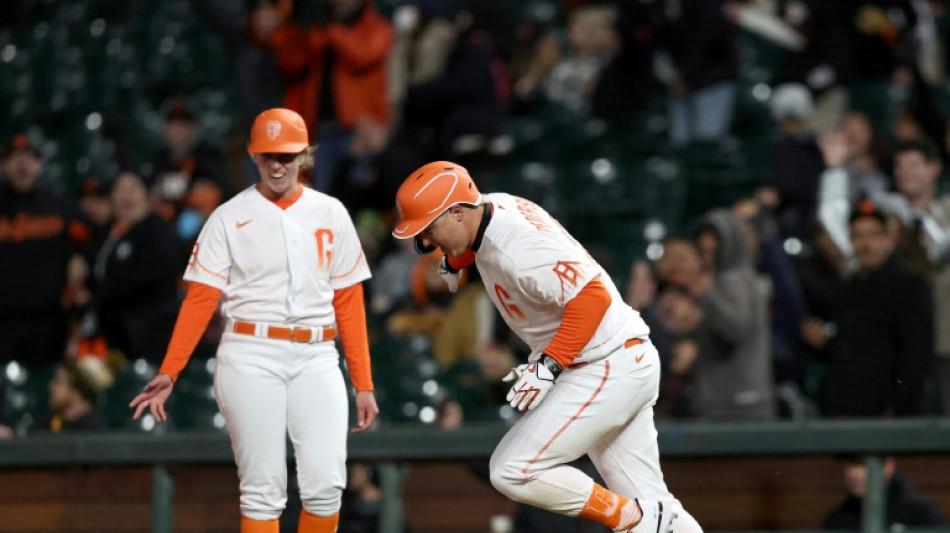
pixel 263 505
pixel 321 501
pixel 506 478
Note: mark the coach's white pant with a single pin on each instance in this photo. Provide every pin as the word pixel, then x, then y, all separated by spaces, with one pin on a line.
pixel 267 389
pixel 603 409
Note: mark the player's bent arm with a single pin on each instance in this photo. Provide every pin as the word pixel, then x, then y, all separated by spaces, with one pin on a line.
pixel 351 321
pixel 582 317
pixel 196 311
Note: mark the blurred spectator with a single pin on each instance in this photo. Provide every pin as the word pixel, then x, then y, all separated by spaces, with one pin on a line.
pixel 592 40
pixel 884 31
pixel 770 20
pixel 42 237
pixel 135 275
pixel 851 173
pixel 391 279
pixel 188 178
pixel 642 289
pixel 531 50
pixel 423 36
pixel 467 326
pixel 924 216
pixel 625 84
pixel 335 71
pixel 905 508
pixel 700 41
pixel 926 43
pixel 461 325
pixel 95 204
pixel 74 393
pixel 924 241
pixel 822 276
pixel 883 350
pixel 460 110
pixel 732 376
pixel 244 28
pixel 682 317
pixel 796 162
pixel 786 301
pixel 824 66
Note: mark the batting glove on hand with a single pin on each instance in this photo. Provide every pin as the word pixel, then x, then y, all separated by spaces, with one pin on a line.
pixel 534 380
pixel 449 275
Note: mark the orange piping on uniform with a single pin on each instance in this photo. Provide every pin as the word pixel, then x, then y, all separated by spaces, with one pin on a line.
pixel 350 271
pixel 206 269
pixel 590 400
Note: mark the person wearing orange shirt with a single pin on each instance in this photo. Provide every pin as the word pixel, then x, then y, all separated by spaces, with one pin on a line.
pixel 287 266
pixel 335 71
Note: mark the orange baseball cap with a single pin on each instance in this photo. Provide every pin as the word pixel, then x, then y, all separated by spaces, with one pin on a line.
pixel 278 131
pixel 430 191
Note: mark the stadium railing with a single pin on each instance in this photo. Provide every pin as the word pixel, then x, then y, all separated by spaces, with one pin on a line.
pixel 873 439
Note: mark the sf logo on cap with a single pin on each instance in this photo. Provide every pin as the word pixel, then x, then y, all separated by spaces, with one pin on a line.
pixel 273 129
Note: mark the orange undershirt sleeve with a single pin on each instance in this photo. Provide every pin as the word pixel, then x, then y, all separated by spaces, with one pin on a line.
pixel 582 316
pixel 351 321
pixel 196 311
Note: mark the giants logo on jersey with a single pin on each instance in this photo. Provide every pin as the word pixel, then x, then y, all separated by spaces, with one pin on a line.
pixel 324 248
pixel 509 307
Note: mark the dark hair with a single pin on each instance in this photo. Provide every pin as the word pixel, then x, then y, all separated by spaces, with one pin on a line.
pixel 21 143
pixel 867 208
pixel 923 146
pixel 179 110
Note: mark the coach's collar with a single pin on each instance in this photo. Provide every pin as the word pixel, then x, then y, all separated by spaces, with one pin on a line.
pixel 486 218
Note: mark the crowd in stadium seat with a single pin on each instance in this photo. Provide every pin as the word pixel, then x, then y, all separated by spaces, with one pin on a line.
pixel 765 181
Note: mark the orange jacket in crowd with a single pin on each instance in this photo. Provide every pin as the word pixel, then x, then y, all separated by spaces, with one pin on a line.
pixel 359 70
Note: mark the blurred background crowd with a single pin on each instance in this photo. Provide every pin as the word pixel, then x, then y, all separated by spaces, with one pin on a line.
pixel 763 179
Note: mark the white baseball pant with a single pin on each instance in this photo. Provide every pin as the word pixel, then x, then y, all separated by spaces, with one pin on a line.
pixel 267 389
pixel 603 409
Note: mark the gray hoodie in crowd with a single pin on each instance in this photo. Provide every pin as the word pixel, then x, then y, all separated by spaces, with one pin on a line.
pixel 733 374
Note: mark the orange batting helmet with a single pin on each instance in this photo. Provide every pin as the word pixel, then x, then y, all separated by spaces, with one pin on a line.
pixel 278 131
pixel 430 191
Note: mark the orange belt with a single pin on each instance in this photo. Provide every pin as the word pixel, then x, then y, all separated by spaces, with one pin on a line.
pixel 292 334
pixel 632 342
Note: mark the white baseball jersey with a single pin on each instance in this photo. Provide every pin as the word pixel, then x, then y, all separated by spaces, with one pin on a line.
pixel 279 266
pixel 531 268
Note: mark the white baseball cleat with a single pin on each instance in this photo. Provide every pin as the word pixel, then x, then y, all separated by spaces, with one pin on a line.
pixel 657 518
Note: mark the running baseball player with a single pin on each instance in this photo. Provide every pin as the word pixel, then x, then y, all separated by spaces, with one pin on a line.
pixel 593 376
pixel 289 265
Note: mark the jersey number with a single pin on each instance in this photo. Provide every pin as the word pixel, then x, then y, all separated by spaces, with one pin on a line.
pixel 324 246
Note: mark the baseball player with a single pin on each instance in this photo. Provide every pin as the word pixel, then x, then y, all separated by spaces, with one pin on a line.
pixel 593 376
pixel 288 264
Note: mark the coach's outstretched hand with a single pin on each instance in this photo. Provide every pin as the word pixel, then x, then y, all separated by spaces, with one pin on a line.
pixel 154 396
pixel 366 410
